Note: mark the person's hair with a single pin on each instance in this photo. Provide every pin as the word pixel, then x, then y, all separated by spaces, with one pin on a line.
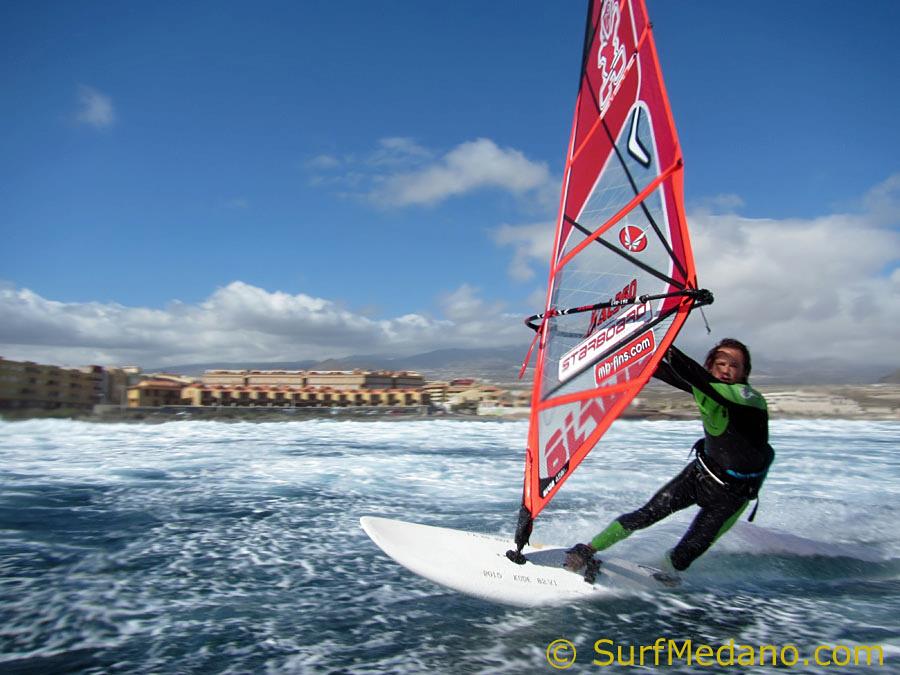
pixel 733 344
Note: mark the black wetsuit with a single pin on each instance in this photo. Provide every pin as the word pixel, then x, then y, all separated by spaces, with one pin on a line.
pixel 731 464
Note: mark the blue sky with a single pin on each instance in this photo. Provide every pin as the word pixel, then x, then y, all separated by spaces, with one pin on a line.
pixel 267 181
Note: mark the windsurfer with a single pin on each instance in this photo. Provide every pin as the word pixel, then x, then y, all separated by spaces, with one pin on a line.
pixel 731 462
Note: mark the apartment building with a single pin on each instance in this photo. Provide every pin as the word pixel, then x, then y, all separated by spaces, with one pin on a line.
pixel 283 388
pixel 335 379
pixel 29 385
pixel 200 394
pixel 156 392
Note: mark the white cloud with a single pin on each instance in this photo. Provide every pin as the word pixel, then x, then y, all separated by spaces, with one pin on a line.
pixel 718 203
pixel 883 202
pixel 323 162
pixel 95 109
pixel 480 323
pixel 470 166
pixel 532 244
pixel 400 172
pixel 799 289
pixel 239 322
pixel 793 288
pixel 398 151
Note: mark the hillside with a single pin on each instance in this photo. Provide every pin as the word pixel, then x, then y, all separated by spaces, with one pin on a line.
pixel 501 365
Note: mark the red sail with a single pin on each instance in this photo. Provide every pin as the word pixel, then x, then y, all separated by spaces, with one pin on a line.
pixel 621 247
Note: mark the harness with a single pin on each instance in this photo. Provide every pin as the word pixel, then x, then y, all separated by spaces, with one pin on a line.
pixel 745 476
pixel 716 471
pixel 708 470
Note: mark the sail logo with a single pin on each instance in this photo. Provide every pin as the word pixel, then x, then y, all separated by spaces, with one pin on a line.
pixel 583 354
pixel 611 54
pixel 566 441
pixel 748 394
pixel 641 346
pixel 603 314
pixel 633 238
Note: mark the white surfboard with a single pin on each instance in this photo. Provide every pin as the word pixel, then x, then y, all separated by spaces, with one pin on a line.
pixel 476 564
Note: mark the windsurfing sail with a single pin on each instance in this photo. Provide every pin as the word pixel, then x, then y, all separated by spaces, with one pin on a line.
pixel 622 278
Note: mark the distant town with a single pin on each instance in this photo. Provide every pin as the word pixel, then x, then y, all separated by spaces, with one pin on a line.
pixel 27 387
pixel 30 389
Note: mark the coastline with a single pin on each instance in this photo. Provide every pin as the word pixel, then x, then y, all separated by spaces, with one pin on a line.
pixel 850 402
pixel 877 402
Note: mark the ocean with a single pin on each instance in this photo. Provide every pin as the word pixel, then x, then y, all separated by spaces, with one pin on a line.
pixel 212 547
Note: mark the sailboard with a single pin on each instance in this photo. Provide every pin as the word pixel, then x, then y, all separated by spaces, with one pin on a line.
pixel 621 284
pixel 475 564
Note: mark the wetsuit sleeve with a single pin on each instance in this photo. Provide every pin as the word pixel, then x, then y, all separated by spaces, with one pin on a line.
pixel 695 375
pixel 667 374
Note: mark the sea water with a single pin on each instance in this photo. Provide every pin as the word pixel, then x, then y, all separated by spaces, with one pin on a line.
pixel 210 547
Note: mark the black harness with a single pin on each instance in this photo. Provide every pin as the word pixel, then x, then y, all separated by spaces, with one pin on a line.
pixel 746 484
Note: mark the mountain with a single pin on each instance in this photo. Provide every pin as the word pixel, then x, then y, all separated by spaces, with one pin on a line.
pixel 199 368
pixel 501 365
pixel 893 378
pixel 497 364
pixel 817 371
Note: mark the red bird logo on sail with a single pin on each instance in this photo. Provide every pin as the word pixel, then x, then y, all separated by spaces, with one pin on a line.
pixel 633 238
pixel 611 53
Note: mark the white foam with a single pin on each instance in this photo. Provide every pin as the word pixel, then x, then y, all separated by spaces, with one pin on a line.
pixel 247 534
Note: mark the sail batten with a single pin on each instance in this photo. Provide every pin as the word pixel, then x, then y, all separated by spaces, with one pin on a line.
pixel 622 278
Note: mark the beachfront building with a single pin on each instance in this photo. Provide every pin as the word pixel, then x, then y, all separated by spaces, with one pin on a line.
pixel 330 379
pixel 225 378
pixel 288 388
pixel 473 394
pixel 29 385
pixel 201 394
pixel 437 391
pixel 508 402
pixel 154 393
pixel 117 381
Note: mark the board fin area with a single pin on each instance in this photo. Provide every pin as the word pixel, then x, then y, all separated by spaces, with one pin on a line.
pixel 476 564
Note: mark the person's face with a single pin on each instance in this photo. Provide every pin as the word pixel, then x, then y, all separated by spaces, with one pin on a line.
pixel 728 365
